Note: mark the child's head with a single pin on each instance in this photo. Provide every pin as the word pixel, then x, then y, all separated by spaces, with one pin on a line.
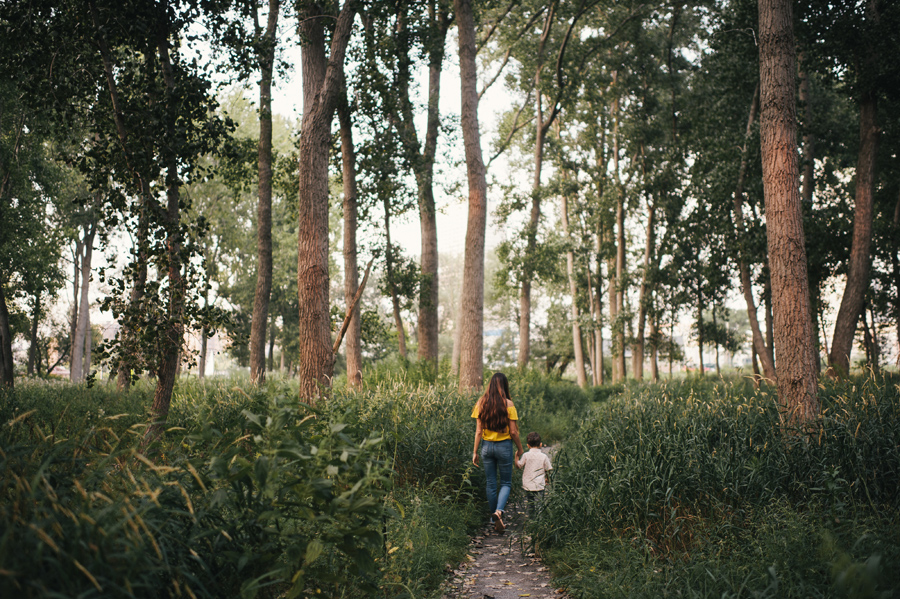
pixel 533 439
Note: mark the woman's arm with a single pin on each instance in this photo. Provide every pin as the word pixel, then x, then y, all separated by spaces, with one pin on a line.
pixel 514 435
pixel 477 441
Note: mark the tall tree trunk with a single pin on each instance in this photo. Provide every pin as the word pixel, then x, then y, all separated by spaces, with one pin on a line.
pixel 471 362
pixel 580 374
pixel 654 348
pixel 266 59
pixel 353 337
pixel 76 290
pixel 700 328
pixel 88 347
pixel 33 349
pixel 895 265
pixel 173 331
pixel 270 365
pixel 457 327
pixel 76 374
pixel 762 350
pixel 7 369
pixel 876 346
pixel 716 340
pixel 613 317
pixel 619 336
pixel 204 345
pixel 860 253
pixel 423 159
pixel 596 337
pixel 540 133
pixel 389 266
pixel 796 375
pixel 598 307
pixel 637 352
pixel 322 78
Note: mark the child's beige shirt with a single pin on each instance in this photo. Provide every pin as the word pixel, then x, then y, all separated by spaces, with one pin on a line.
pixel 536 464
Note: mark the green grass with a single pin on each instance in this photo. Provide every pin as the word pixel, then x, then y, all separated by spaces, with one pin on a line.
pixel 693 489
pixel 249 494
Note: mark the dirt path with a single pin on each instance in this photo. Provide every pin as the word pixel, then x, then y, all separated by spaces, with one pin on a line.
pixel 502 565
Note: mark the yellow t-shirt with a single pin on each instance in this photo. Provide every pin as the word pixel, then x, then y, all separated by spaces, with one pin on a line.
pixel 494 435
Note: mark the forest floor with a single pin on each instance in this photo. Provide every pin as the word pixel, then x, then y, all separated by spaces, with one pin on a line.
pixel 503 565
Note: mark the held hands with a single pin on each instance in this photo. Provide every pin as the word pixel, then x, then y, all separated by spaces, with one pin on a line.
pixel 518 457
pixel 474 458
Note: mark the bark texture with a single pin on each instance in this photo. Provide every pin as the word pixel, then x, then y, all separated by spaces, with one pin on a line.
pixel 353 337
pixel 794 345
pixel 76 373
pixel 322 78
pixel 471 344
pixel 266 58
pixel 860 248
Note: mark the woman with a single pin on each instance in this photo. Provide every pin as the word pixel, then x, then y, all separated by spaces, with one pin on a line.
pixel 495 424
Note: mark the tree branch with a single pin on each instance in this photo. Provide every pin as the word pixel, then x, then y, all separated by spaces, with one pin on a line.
pixel 349 313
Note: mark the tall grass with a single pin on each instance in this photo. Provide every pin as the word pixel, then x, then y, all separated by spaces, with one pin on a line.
pixel 693 488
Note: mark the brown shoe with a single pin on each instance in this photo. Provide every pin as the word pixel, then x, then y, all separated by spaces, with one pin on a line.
pixel 498 521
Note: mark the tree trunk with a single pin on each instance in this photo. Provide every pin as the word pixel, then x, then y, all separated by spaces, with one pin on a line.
pixel 352 339
pixel 270 365
pixel 266 59
pixel 76 290
pixel 654 348
pixel 322 79
pixel 619 343
pixel 33 350
pixel 76 373
pixel 700 328
pixel 762 350
pixel 88 347
pixel 540 133
pixel 7 369
pixel 716 341
pixel 876 345
pixel 204 343
pixel 895 264
pixel 596 338
pixel 613 317
pixel 471 342
pixel 860 254
pixel 598 307
pixel 580 374
pixel 784 220
pixel 389 266
pixel 637 355
pixel 423 160
pixel 173 331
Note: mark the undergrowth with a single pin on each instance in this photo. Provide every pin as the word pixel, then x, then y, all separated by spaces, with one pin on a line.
pixel 250 493
pixel 694 489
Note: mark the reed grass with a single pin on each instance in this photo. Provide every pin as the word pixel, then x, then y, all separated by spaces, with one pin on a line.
pixel 693 488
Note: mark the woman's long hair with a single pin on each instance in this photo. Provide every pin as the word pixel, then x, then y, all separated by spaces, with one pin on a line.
pixel 493 414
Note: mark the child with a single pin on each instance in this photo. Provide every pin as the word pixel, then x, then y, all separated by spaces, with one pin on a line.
pixel 536 465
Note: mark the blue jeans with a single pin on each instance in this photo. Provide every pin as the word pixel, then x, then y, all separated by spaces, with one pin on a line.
pixel 497 456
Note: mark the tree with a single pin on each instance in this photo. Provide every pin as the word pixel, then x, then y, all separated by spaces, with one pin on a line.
pixel 472 298
pixel 796 375
pixel 322 78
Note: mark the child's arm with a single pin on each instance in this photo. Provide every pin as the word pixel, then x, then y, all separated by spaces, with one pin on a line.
pixel 520 463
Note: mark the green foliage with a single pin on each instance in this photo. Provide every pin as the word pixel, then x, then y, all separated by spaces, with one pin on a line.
pixel 228 506
pixel 694 488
